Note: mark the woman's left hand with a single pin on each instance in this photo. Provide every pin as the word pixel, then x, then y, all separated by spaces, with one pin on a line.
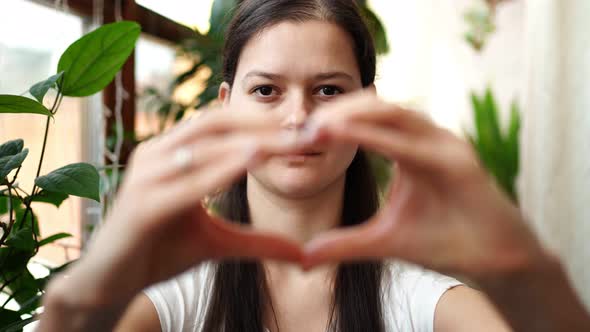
pixel 443 211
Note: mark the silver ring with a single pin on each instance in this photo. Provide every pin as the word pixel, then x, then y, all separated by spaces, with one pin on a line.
pixel 183 158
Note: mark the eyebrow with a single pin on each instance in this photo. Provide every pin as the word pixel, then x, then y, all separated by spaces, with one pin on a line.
pixel 318 77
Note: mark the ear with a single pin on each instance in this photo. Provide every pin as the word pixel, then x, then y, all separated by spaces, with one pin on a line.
pixel 372 88
pixel 224 93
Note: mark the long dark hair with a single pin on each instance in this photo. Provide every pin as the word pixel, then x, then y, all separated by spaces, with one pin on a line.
pixel 240 294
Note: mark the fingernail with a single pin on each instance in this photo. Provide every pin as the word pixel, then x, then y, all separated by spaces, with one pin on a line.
pixel 308 133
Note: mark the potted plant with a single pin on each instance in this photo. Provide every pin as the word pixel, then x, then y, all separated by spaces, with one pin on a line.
pixel 85 68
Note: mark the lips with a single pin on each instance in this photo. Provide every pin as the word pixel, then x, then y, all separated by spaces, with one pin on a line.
pixel 301 156
pixel 307 153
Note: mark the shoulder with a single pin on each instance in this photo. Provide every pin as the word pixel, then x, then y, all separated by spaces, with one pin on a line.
pixel 180 300
pixel 411 294
pixel 467 309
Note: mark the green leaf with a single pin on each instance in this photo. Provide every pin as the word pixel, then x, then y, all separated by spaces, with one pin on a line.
pixel 80 179
pixel 28 221
pixel 40 89
pixel 9 163
pixel 92 62
pixel 512 148
pixel 24 287
pixel 4 208
pixel 481 138
pixel 491 116
pixel 51 197
pixel 499 154
pixel 377 30
pixel 8 317
pixel 21 239
pixel 16 261
pixel 18 326
pixel 221 13
pixel 19 104
pixel 11 148
pixel 53 238
pixel 42 282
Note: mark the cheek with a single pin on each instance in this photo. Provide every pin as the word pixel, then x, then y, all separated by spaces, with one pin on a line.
pixel 343 155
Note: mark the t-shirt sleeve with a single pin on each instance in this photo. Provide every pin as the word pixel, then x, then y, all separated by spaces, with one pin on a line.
pixel 413 295
pixel 178 300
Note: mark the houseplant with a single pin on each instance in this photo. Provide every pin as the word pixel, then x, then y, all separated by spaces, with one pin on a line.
pixel 85 68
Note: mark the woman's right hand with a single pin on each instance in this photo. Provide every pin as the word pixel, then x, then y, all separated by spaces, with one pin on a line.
pixel 158 227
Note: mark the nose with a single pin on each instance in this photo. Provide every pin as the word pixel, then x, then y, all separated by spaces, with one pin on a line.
pixel 297 110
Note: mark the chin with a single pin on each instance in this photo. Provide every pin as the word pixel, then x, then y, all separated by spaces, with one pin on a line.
pixel 295 183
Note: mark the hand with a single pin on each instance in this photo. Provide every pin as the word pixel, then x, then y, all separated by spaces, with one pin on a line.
pixel 443 211
pixel 158 226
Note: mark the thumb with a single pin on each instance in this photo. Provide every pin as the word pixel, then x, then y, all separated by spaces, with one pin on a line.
pixel 231 240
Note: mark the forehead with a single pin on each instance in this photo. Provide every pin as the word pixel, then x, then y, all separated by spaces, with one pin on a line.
pixel 299 50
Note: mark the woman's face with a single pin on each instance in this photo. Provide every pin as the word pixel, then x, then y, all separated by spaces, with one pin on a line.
pixel 292 69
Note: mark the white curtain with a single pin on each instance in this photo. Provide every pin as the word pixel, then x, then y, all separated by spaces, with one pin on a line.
pixel 555 172
pixel 539 54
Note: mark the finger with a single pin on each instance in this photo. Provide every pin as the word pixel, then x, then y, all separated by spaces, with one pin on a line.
pixel 189 189
pixel 233 161
pixel 394 144
pixel 219 121
pixel 346 244
pixel 233 240
pixel 366 107
pixel 211 150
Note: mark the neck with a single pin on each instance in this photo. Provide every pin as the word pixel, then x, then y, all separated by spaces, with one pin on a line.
pixel 299 219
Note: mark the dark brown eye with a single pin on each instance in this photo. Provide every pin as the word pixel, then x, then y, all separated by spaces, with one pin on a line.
pixel 329 90
pixel 265 91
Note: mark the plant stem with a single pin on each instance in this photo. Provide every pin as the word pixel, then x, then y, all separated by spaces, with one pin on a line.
pixel 56 104
pixel 10 219
pixel 22 190
pixel 16 174
pixel 42 150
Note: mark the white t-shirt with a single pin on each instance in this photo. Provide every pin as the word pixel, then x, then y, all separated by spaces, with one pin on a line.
pixel 410 298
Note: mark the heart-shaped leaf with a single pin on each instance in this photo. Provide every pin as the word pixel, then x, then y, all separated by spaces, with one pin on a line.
pixel 92 62
pixel 13 260
pixel 11 147
pixel 19 104
pixel 21 239
pixel 50 197
pixel 40 89
pixel 9 163
pixel 80 179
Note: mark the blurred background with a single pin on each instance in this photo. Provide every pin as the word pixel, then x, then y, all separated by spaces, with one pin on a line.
pixel 510 76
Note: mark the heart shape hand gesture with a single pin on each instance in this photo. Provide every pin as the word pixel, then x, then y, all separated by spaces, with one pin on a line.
pixel 442 212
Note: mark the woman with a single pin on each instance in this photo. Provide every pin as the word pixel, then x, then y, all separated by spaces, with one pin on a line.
pixel 298 104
